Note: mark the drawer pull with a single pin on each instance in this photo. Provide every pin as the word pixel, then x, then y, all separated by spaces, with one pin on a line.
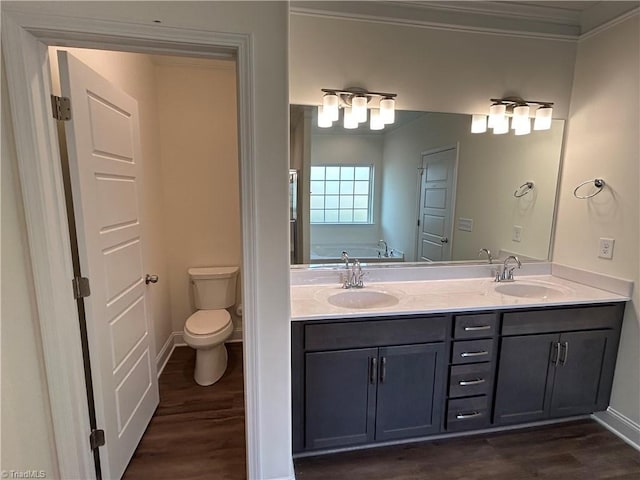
pixel 474 354
pixel 479 327
pixel 373 371
pixel 466 383
pixel 464 416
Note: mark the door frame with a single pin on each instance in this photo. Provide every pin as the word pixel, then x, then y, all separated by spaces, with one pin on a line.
pixel 454 187
pixel 26 38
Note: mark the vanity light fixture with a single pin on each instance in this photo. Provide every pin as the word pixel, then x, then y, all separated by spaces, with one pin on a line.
pixel 354 103
pixel 519 111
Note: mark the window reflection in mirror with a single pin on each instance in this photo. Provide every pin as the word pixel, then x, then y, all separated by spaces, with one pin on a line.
pixel 436 192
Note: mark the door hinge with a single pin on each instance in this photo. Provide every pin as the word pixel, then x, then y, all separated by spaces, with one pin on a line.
pixel 81 287
pixel 61 107
pixel 96 439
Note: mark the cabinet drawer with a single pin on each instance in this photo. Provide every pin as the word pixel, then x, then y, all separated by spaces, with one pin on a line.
pixel 374 333
pixel 469 380
pixel 472 351
pixel 475 326
pixel 562 320
pixel 467 413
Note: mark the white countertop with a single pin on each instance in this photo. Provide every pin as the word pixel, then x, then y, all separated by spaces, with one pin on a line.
pixel 310 301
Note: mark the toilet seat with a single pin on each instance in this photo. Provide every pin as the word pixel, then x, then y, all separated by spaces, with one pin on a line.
pixel 207 322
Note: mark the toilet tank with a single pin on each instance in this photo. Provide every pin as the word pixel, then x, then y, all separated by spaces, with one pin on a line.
pixel 214 288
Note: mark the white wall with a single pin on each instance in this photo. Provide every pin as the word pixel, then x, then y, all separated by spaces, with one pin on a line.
pixel 430 69
pixel 490 168
pixel 606 146
pixel 350 149
pixel 135 74
pixel 27 431
pixel 197 108
pixel 267 25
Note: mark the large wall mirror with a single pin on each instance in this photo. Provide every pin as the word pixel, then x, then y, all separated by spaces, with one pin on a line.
pixel 424 189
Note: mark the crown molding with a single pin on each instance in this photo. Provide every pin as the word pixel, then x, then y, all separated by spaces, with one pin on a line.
pixel 610 24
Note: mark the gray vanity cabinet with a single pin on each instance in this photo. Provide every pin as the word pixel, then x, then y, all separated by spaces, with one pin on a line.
pixel 389 386
pixel 559 374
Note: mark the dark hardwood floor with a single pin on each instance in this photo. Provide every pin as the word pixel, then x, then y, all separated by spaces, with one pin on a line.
pixel 197 432
pixel 572 451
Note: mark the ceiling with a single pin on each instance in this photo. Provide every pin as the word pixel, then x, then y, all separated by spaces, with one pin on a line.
pixel 566 19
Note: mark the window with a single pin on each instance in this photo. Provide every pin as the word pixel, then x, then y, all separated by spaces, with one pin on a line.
pixel 341 193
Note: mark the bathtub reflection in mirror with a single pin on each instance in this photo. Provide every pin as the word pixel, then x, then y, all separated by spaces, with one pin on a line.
pixel 424 189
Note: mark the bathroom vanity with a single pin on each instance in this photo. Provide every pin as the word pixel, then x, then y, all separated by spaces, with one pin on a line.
pixel 449 357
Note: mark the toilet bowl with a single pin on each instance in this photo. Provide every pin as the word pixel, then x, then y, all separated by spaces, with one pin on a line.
pixel 210 326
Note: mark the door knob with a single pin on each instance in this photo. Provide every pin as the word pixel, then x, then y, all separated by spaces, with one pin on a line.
pixel 150 279
pixel 444 240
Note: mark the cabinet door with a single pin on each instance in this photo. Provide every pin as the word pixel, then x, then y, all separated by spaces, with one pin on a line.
pixel 580 384
pixel 410 391
pixel 340 392
pixel 525 376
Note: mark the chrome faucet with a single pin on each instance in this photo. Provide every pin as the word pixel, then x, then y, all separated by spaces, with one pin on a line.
pixel 507 273
pixel 345 259
pixel 488 252
pixel 356 275
pixel 386 247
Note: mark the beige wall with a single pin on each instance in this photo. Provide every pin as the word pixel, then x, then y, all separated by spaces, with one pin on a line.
pixel 27 431
pixel 430 69
pixel 197 110
pixel 602 142
pixel 135 74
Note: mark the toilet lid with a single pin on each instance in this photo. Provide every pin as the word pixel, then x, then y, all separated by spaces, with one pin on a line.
pixel 207 322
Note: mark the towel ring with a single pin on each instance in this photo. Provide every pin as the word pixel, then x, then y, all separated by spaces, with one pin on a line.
pixel 523 189
pixel 597 182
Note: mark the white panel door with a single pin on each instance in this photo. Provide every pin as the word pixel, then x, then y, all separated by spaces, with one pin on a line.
pixel 436 205
pixel 103 141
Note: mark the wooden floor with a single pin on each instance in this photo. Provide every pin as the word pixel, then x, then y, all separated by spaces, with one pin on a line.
pixel 573 451
pixel 197 432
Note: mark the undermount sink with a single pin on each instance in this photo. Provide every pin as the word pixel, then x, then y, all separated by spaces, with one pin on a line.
pixel 530 290
pixel 363 299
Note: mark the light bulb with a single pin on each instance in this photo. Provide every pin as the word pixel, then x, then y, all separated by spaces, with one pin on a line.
pixel 496 114
pixel 359 108
pixel 376 122
pixel 388 110
pixel 349 122
pixel 543 118
pixel 330 103
pixel 323 120
pixel 478 123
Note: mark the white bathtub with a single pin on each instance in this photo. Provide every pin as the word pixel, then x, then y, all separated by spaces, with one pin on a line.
pixel 364 253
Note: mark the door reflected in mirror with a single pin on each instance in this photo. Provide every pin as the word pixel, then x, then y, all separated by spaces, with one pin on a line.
pixel 424 189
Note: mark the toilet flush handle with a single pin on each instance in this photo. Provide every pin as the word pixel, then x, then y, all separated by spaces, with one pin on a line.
pixel 150 279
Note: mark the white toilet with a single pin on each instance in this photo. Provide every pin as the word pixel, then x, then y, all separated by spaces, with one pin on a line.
pixel 214 290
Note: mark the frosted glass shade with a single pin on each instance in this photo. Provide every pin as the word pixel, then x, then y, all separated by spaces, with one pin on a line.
pixel 496 114
pixel 359 108
pixel 388 110
pixel 543 118
pixel 478 123
pixel 524 127
pixel 349 121
pixel 502 126
pixel 330 103
pixel 323 120
pixel 520 117
pixel 375 122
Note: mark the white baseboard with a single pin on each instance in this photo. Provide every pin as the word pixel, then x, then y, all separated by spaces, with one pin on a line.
pixel 174 340
pixel 619 425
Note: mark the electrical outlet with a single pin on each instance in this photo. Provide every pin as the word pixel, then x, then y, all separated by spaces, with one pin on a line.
pixel 517 233
pixel 606 247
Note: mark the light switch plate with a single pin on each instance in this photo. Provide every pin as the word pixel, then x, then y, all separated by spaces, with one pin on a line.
pixel 465 224
pixel 606 248
pixel 517 233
